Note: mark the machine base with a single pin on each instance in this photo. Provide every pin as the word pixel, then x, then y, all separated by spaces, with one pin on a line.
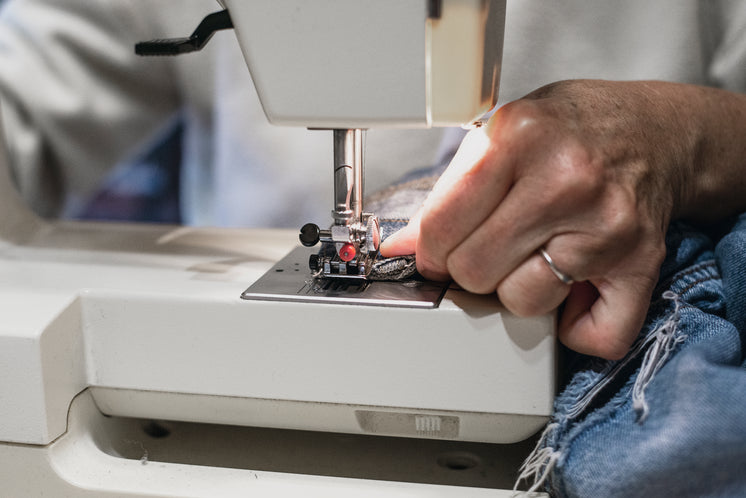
pixel 291 280
pixel 111 457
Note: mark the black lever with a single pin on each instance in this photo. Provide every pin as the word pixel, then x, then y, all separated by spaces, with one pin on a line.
pixel 309 234
pixel 175 46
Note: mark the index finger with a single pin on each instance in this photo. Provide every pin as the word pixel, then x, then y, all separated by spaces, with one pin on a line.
pixel 465 195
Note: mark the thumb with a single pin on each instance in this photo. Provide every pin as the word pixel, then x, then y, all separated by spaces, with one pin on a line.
pixel 603 322
pixel 403 242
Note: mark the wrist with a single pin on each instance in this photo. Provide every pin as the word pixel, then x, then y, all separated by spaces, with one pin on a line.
pixel 713 186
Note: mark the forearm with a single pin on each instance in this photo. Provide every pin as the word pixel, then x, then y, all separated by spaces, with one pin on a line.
pixel 717 186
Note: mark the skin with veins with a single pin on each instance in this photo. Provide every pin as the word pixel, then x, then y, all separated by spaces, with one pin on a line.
pixel 593 171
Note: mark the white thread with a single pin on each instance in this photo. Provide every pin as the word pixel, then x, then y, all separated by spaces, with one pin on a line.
pixel 664 339
pixel 539 463
pixel 605 377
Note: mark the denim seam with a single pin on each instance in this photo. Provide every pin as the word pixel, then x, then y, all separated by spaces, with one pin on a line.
pixel 709 268
pixel 695 268
pixel 693 284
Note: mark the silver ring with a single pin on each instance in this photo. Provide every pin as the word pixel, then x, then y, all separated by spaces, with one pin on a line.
pixel 562 276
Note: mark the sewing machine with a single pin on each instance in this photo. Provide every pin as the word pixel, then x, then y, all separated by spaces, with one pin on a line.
pixel 134 361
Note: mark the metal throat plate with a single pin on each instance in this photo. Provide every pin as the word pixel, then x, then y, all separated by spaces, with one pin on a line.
pixel 291 280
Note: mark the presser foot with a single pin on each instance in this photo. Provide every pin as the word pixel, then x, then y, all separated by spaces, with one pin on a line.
pixel 347 251
pixel 291 280
pixel 330 262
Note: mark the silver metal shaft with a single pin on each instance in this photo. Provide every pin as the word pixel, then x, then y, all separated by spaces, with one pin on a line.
pixel 348 176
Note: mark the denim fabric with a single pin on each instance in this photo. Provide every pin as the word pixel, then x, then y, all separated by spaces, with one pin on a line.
pixel 670 418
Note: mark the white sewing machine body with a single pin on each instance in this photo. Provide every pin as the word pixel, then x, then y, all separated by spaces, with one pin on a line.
pixel 148 322
pixel 361 64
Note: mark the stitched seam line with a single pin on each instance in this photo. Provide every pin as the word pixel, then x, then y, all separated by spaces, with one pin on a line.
pixel 707 265
pixel 691 285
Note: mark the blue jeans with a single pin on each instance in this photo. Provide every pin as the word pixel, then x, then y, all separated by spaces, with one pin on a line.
pixel 670 418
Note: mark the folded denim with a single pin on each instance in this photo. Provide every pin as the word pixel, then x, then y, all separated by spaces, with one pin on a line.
pixel 668 419
pixel 398 268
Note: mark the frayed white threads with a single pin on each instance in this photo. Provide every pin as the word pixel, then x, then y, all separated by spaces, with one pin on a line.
pixel 660 343
pixel 664 340
pixel 608 375
pixel 604 379
pixel 539 463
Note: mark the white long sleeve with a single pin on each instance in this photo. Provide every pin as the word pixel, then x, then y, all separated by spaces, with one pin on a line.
pixel 77 101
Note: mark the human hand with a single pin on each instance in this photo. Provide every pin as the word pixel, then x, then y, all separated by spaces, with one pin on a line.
pixel 591 171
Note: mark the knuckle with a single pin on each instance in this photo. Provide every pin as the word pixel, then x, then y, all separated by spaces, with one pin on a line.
pixel 524 118
pixel 621 221
pixel 578 174
pixel 469 275
pixel 523 296
pixel 430 268
pixel 624 223
pixel 518 304
pixel 435 232
pixel 428 226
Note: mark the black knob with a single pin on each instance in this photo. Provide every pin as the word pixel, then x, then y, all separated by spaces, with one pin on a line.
pixel 309 234
pixel 313 262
